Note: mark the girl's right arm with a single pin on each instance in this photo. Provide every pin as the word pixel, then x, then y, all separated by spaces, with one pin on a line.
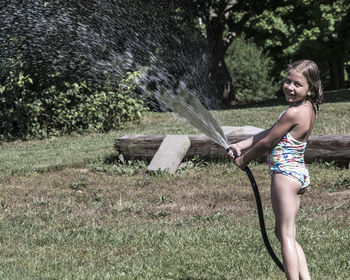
pixel 267 139
pixel 248 143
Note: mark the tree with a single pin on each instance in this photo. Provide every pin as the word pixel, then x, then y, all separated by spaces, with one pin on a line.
pixel 99 41
pixel 222 21
pixel 326 38
pixel 250 70
pixel 316 29
pixel 338 43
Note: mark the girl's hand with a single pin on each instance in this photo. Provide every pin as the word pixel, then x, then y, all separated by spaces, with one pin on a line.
pixel 234 148
pixel 241 163
pixel 239 160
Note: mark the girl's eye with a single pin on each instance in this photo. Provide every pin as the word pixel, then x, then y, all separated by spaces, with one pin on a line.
pixel 287 81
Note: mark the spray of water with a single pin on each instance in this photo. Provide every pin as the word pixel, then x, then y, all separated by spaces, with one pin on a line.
pixel 188 106
pixel 100 41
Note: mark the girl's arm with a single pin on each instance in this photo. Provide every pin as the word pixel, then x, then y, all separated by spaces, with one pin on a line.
pixel 251 141
pixel 267 139
pixel 248 143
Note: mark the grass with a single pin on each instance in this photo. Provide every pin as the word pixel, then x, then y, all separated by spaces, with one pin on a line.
pixel 70 209
pixel 198 224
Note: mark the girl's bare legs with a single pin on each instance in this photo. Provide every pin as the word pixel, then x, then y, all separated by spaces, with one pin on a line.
pixel 303 268
pixel 285 204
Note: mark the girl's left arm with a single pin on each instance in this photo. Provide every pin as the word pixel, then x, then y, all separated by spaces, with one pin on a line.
pixel 287 121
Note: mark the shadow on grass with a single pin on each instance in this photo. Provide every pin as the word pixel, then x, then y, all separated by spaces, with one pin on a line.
pixel 337 96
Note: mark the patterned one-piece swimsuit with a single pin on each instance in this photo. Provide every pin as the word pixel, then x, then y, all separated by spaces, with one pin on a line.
pixel 287 157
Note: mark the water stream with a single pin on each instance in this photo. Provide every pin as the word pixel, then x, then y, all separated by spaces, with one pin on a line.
pixel 189 107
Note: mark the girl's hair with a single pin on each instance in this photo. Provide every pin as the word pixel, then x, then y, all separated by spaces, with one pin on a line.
pixel 310 71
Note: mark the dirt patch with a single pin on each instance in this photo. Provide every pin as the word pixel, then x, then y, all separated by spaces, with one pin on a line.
pixel 195 192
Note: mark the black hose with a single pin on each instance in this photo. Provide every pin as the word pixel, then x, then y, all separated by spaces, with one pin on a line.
pixel 261 219
pixel 260 214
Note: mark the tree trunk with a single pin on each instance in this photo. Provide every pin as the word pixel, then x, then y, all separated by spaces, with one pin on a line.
pixel 337 73
pixel 336 64
pixel 218 71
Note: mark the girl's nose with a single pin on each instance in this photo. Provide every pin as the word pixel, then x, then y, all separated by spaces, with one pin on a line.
pixel 290 86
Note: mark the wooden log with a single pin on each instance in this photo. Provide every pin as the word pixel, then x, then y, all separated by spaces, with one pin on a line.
pixel 319 148
pixel 139 146
pixel 145 146
pixel 328 147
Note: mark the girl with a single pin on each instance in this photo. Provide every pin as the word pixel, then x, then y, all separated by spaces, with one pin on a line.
pixel 285 143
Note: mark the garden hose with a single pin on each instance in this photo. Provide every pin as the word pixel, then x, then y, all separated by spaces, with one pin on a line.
pixel 260 213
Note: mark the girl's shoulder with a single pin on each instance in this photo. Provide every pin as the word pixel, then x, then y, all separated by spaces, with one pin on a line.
pixel 301 118
pixel 298 111
pixel 291 113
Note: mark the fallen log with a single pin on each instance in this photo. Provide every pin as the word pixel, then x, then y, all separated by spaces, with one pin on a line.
pixel 325 148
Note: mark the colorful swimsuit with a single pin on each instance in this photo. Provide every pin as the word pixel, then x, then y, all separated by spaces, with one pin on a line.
pixel 287 157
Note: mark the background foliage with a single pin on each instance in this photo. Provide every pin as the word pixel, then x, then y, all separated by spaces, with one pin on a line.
pixel 73 107
pixel 316 29
pixel 250 71
pixel 61 61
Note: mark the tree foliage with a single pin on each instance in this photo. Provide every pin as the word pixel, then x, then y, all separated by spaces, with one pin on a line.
pixel 314 29
pixel 74 107
pixel 221 22
pixel 62 69
pixel 250 71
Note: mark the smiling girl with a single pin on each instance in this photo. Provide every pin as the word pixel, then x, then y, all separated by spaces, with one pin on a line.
pixel 285 143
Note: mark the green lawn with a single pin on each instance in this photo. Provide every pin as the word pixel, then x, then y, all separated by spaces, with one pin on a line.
pixel 69 209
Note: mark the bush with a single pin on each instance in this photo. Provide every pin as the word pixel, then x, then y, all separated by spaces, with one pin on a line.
pixel 249 69
pixel 74 107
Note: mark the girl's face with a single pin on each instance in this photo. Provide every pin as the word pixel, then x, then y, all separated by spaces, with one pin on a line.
pixel 295 87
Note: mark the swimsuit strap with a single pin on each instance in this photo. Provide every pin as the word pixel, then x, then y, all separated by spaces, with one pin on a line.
pixel 281 114
pixel 292 140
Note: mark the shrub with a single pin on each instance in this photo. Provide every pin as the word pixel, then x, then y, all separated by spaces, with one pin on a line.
pixel 73 107
pixel 249 68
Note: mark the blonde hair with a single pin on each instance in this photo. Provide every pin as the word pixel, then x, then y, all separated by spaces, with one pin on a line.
pixel 310 71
